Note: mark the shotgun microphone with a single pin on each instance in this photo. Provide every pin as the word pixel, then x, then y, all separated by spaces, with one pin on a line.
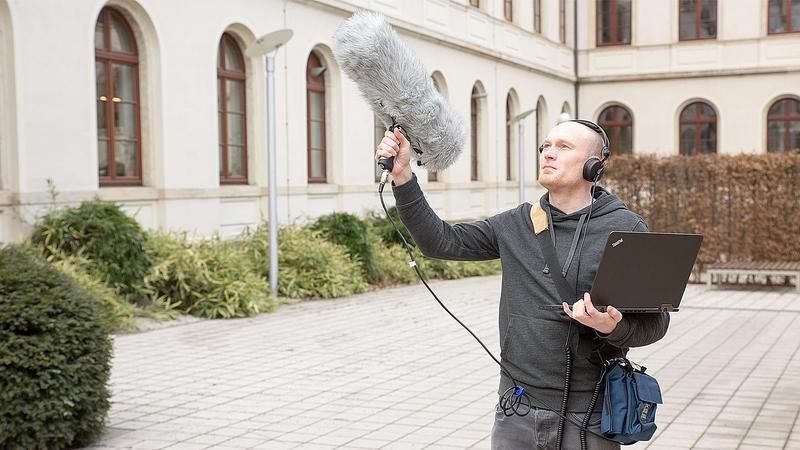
pixel 399 90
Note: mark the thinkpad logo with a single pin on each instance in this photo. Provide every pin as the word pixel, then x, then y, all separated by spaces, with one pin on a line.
pixel 617 243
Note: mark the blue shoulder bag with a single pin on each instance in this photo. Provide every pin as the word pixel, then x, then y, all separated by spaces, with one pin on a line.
pixel 629 404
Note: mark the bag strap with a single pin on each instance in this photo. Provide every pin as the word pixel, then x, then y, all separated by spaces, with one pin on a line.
pixel 540 226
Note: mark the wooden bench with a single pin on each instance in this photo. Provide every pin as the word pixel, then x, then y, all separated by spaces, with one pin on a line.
pixel 779 269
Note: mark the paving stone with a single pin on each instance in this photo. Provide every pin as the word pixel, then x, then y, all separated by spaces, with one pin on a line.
pixel 390 368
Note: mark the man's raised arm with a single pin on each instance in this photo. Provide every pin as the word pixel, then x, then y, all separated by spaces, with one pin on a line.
pixel 435 238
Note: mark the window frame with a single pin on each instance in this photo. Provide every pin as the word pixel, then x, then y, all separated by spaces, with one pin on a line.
pixel 108 57
pixel 614 25
pixel 509 111
pixel 224 74
pixel 614 127
pixel 508 10
pixel 698 22
pixel 312 85
pixel 537 16
pixel 789 24
pixel 377 138
pixel 433 176
pixel 562 21
pixel 474 125
pixel 787 119
pixel 697 121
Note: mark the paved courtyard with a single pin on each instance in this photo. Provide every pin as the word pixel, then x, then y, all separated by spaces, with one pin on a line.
pixel 389 369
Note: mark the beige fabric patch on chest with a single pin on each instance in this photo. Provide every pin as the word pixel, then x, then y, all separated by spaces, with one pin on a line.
pixel 539 218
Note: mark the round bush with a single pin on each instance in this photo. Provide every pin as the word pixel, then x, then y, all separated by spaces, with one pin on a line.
pixel 54 357
pixel 103 233
pixel 383 228
pixel 351 232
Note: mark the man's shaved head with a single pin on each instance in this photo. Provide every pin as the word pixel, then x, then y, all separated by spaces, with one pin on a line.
pixel 565 150
pixel 589 140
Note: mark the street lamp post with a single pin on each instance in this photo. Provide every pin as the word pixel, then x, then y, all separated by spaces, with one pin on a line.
pixel 265 46
pixel 521 145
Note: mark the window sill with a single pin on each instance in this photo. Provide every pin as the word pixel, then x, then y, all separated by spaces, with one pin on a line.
pixel 615 45
pixel 241 190
pixel 127 193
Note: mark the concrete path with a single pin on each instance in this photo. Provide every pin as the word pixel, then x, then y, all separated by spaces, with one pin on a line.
pixel 390 369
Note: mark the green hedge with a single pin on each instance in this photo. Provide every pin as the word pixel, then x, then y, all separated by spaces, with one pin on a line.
pixel 311 267
pixel 111 240
pixel 381 226
pixel 54 357
pixel 338 254
pixel 207 277
pixel 353 233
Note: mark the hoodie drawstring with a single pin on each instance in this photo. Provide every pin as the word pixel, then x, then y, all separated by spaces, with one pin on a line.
pixel 575 239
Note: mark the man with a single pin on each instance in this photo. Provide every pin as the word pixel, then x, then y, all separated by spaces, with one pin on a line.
pixel 534 341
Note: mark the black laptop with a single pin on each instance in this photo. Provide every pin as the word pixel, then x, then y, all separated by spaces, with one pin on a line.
pixel 643 272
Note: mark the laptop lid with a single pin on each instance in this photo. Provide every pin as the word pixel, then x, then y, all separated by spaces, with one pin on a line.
pixel 645 272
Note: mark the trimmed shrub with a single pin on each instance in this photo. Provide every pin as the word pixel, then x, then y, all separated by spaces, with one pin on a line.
pixel 450 270
pixel 113 242
pixel 210 278
pixel 54 357
pixel 746 207
pixel 391 263
pixel 310 266
pixel 119 314
pixel 383 228
pixel 351 232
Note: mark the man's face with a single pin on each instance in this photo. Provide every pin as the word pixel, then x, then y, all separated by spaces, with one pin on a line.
pixel 566 149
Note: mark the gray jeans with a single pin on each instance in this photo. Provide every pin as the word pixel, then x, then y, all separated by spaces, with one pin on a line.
pixel 539 430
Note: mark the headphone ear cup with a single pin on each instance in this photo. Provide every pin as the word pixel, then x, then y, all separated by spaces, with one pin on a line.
pixel 591 168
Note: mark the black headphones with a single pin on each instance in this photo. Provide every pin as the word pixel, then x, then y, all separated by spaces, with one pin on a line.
pixel 594 167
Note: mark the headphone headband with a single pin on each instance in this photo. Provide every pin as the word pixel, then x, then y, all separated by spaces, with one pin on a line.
pixel 606 151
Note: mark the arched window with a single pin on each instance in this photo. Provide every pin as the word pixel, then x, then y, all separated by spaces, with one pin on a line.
pixel 232 114
pixel 541 127
pixel 618 123
pixel 783 126
pixel 613 22
pixel 433 175
pixel 697 19
pixel 315 119
pixel 473 115
pixel 378 131
pixel 119 150
pixel 698 128
pixel 509 112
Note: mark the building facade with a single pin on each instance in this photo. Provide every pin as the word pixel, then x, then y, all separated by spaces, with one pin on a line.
pixel 154 104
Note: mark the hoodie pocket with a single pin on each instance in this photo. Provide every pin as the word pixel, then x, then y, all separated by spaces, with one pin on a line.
pixel 535 348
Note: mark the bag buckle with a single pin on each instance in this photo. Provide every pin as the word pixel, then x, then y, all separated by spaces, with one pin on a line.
pixel 625 363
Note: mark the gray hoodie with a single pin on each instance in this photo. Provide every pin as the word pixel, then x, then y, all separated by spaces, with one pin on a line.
pixel 532 339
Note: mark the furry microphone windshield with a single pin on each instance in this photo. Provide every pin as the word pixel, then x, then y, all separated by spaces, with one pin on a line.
pixel 399 89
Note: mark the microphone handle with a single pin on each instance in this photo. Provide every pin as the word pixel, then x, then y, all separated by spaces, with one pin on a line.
pixel 386 163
